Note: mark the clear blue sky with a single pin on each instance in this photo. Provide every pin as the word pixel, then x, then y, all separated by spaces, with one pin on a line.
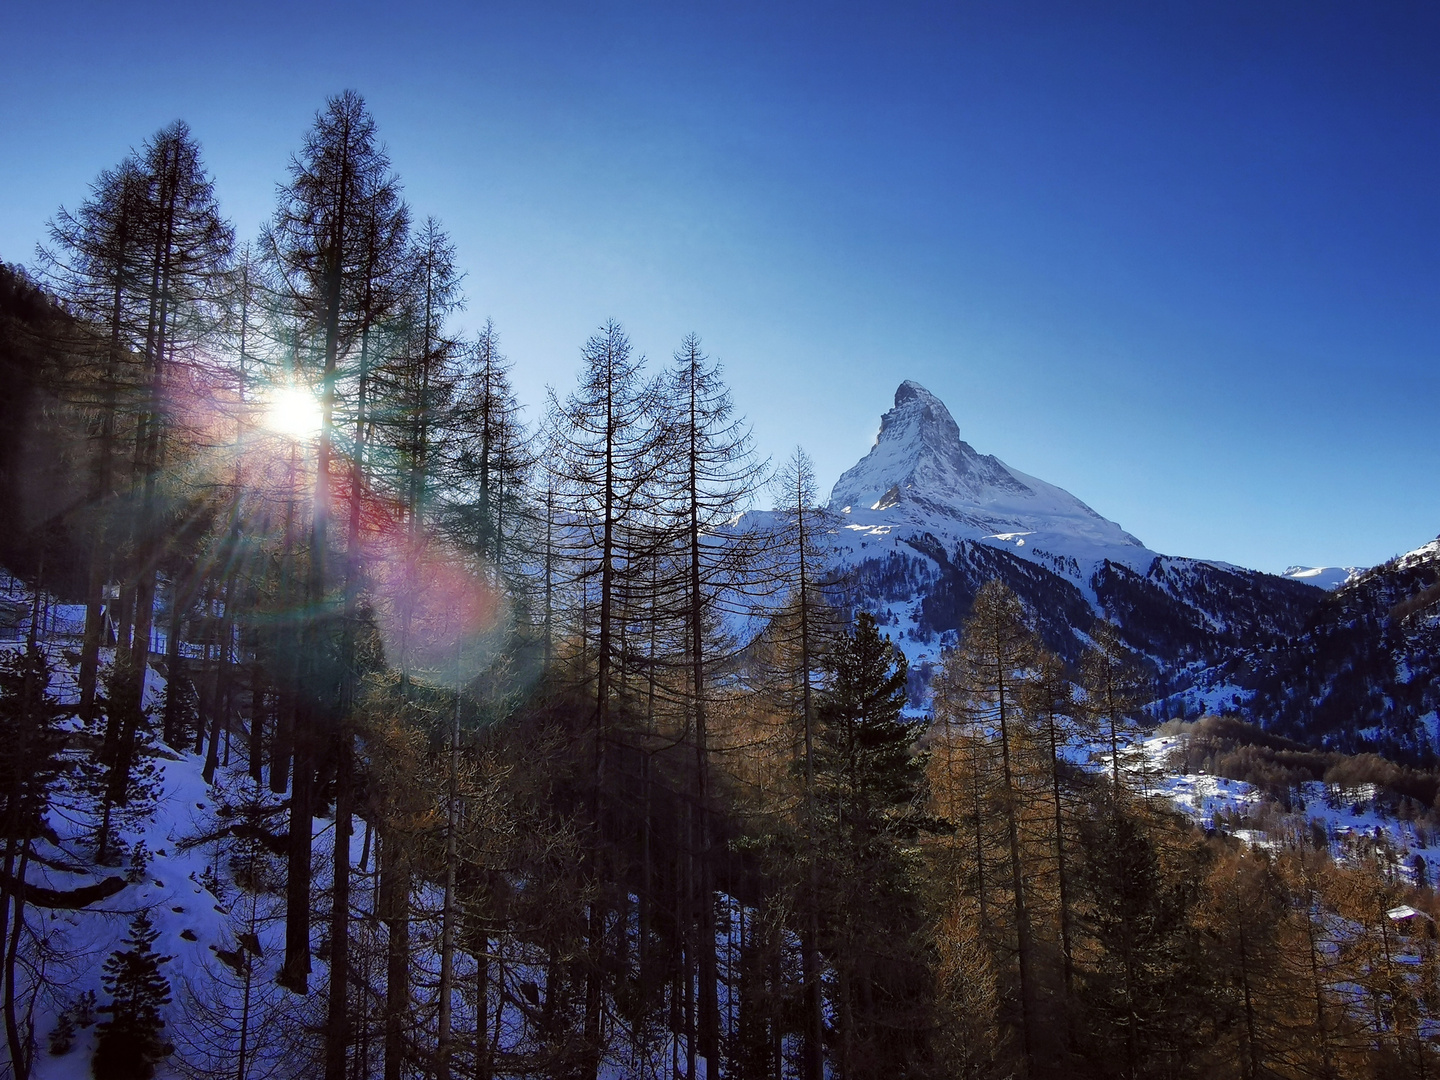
pixel 1182 259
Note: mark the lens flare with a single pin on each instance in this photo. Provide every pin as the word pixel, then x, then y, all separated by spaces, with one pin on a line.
pixel 294 412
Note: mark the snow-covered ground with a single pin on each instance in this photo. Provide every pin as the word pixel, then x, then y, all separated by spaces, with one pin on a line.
pixel 1349 819
pixel 1328 578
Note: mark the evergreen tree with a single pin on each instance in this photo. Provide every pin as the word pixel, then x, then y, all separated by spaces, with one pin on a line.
pixel 869 781
pixel 865 763
pixel 131 1042
pixel 30 743
pixel 1142 875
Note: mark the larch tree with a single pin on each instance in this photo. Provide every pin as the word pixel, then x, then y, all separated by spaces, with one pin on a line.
pixel 1114 689
pixel 190 247
pixel 608 467
pixel 186 245
pixel 322 244
pixel 713 474
pixel 803 526
pixel 1245 911
pixel 1049 700
pixel 489 460
pixel 988 675
pixel 94 263
pixel 143 257
pixel 608 464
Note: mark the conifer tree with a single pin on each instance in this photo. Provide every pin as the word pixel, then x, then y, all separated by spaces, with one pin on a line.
pixel 131 1041
pixel 144 257
pixel 1114 689
pixel 94 264
pixel 1314 959
pixel 608 466
pixel 869 783
pixel 714 473
pixel 190 246
pixel 609 461
pixel 1140 987
pixel 802 529
pixel 488 461
pixel 988 675
pixel 1245 913
pixel 1050 702
pixel 30 740
pixel 337 229
pixel 30 744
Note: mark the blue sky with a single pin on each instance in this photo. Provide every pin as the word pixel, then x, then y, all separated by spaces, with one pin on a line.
pixel 1181 259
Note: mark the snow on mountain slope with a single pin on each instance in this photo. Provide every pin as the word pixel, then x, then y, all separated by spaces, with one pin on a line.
pixel 920 477
pixel 1425 553
pixel 1328 578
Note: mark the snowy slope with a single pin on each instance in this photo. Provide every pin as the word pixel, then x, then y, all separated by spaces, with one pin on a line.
pixel 1328 578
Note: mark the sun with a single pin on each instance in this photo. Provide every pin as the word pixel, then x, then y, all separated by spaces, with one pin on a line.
pixel 294 412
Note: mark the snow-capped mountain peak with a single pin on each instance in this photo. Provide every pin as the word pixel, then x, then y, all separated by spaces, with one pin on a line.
pixel 920 471
pixel 919 454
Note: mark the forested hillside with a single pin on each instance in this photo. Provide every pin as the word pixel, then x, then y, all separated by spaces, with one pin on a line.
pixel 1362 674
pixel 356 723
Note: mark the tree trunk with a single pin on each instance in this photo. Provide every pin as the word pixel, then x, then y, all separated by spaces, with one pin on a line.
pixel 19 1043
pixel 444 1041
pixel 337 1022
pixel 296 972
pixel 1017 877
pixel 395 894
